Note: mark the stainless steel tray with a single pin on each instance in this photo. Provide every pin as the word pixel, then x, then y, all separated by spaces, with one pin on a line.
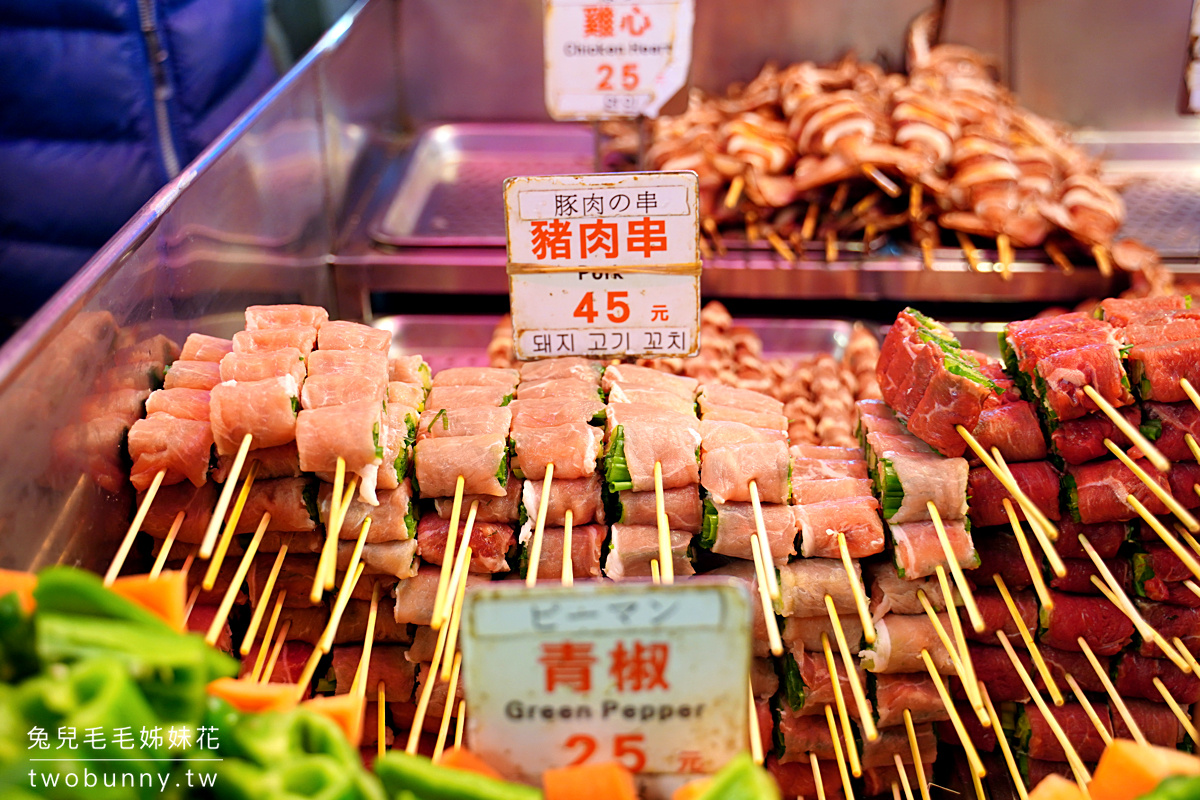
pixel 462 341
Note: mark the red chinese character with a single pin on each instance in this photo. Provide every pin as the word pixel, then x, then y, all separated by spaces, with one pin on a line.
pixel 691 762
pixel 568 664
pixel 635 22
pixel 598 21
pixel 553 237
pixel 598 237
pixel 642 668
pixel 647 236
pixel 658 313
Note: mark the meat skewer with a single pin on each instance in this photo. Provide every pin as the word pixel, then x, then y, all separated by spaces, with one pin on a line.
pixel 1026 637
pixel 118 561
pixel 214 629
pixel 1039 581
pixel 1111 690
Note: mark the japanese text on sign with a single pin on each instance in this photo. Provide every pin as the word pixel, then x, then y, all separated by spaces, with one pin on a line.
pixel 604 265
pixel 615 58
pixel 651 676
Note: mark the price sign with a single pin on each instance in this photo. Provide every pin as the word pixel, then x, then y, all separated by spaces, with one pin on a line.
pixel 615 58
pixel 651 676
pixel 604 265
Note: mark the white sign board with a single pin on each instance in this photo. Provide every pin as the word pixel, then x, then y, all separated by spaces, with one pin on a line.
pixel 615 58
pixel 604 265
pixel 651 676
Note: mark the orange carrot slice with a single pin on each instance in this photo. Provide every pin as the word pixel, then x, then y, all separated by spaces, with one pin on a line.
pixel 343 709
pixel 164 596
pixel 609 780
pixel 23 583
pixel 1128 769
pixel 463 759
pixel 247 695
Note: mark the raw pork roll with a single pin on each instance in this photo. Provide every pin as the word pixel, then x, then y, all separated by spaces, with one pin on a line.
pixel 634 546
pixel 387 666
pixel 406 394
pixel 805 470
pixel 569 367
pixel 392 520
pixel 199 347
pixel 899 642
pixel 282 461
pixel 342 335
pixel 266 339
pixel 755 419
pixel 856 517
pixel 803 584
pixel 558 388
pixel 1168 425
pixel 415 596
pixel 893 741
pixel 264 409
pixel 180 447
pixel 582 496
pixel 548 412
pixel 320 391
pixel 716 394
pixel 809 685
pixel 487 508
pixel 1101 624
pixel 354 431
pixel 1097 491
pixel 726 473
pixel 1014 430
pixel 998 619
pixel 471 421
pixel 409 369
pixel 907 481
pixel 634 447
pixel 824 490
pixel 1080 440
pixel 651 397
pixel 391 559
pixel 482 461
pixel 573 449
pixel 463 396
pixel 477 376
pixel 285 499
pixel 817 452
pixel 285 315
pixel 1038 479
pixel 729 526
pixel 359 363
pixel 804 633
pixel 263 365
pixel 918 549
pixel 179 403
pixel 630 375
pixel 192 375
pixel 915 692
pixel 1157 369
pixel 490 542
pixel 586 549
pixel 401 426
pixel 1134 677
pixel 682 506
pixel 892 594
pixel 721 433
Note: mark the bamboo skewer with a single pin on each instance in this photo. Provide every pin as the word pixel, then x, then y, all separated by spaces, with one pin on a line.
pixel 881 180
pixel 856 587
pixel 261 607
pixel 214 629
pixel 908 792
pixel 837 752
pixel 1059 258
pixel 1034 653
pixel 1139 622
pixel 734 194
pixel 1103 262
pixel 1162 494
pixel 358 687
pixel 761 531
pixel 915 211
pixel 1111 690
pixel 1192 587
pixel 666 560
pixel 1032 512
pixel 710 227
pixel 1082 776
pixel 969 252
pixel 165 549
pixel 927 253
pixel 760 567
pixel 831 247
pixel 1135 436
pixel 1088 709
pixel 568 567
pixel 1188 727
pixel 865 718
pixel 960 580
pixel 259 660
pixel 414 733
pixel 332 529
pixel 455 617
pixel 191 603
pixel 1004 253
pixel 970 683
pixel 381 729
pixel 114 569
pixel 460 565
pixel 1170 541
pixel 461 723
pixel 1035 572
pixel 863 206
pixel 839 700
pixel 1005 749
pixel 214 524
pixel 1188 538
pixel 1186 655
pixel 451 690
pixel 780 246
pixel 809 227
pixel 838 202
pixel 756 748
pixel 955 719
pixel 539 529
pixel 218 557
pixel 335 619
pixel 1193 446
pixel 655 574
pixel 816 771
pixel 448 555
pixel 330 569
pixel 956 652
pixel 269 669
pixel 916 754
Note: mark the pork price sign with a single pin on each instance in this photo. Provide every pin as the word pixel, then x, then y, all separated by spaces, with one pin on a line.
pixel 604 265
pixel 652 676
pixel 615 58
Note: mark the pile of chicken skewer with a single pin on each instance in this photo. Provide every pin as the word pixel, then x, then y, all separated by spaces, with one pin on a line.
pixel 832 154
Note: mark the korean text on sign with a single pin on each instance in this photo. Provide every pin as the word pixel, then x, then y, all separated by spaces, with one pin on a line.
pixel 651 676
pixel 615 58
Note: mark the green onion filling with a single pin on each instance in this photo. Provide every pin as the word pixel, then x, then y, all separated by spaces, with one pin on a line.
pixel 1151 429
pixel 1143 573
pixel 708 527
pixel 616 469
pixel 1069 495
pixel 793 684
pixel 375 439
pixel 891 492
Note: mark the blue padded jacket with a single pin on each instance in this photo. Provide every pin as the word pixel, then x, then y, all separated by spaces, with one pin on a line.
pixel 101 103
